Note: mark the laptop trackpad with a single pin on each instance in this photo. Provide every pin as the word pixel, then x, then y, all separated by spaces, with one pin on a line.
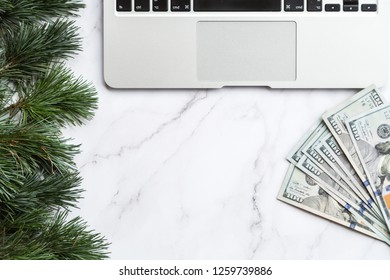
pixel 246 51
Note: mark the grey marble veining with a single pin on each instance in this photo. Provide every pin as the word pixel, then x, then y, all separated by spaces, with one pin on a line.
pixel 194 174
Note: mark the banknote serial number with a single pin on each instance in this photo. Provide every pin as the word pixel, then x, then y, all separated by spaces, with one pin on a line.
pixel 242 270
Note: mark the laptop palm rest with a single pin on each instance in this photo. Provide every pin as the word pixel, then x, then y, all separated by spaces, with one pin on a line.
pixel 246 51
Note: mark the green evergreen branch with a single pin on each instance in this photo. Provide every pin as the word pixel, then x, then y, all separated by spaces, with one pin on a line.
pixel 36 146
pixel 29 49
pixel 57 97
pixel 36 191
pixel 12 12
pixel 38 96
pixel 15 240
pixel 72 239
pixel 51 238
pixel 31 221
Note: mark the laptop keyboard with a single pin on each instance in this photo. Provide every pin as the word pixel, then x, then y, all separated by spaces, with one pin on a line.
pixel 246 6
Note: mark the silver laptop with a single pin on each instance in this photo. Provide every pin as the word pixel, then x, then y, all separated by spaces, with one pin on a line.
pixel 217 43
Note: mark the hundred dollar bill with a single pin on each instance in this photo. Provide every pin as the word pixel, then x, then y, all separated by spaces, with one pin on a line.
pixel 335 120
pixel 331 187
pixel 339 193
pixel 331 160
pixel 327 155
pixel 301 191
pixel 328 149
pixel 337 153
pixel 310 151
pixel 340 156
pixel 306 147
pixel 371 136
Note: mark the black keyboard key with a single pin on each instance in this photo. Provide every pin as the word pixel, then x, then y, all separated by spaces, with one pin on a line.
pixel 142 5
pixel 369 7
pixel 351 8
pixel 314 5
pixel 123 5
pixel 237 5
pixel 351 5
pixel 293 5
pixel 180 5
pixel 160 5
pixel 332 7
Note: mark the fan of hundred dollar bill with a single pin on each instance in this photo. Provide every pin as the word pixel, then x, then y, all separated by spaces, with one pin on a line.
pixel 340 170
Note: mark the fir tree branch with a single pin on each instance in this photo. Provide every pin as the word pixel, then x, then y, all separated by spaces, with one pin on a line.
pixel 29 49
pixel 12 12
pixel 38 191
pixel 57 97
pixel 72 239
pixel 49 238
pixel 38 96
pixel 36 146
pixel 17 236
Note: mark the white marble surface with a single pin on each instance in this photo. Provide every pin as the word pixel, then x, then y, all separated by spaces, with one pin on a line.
pixel 194 174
